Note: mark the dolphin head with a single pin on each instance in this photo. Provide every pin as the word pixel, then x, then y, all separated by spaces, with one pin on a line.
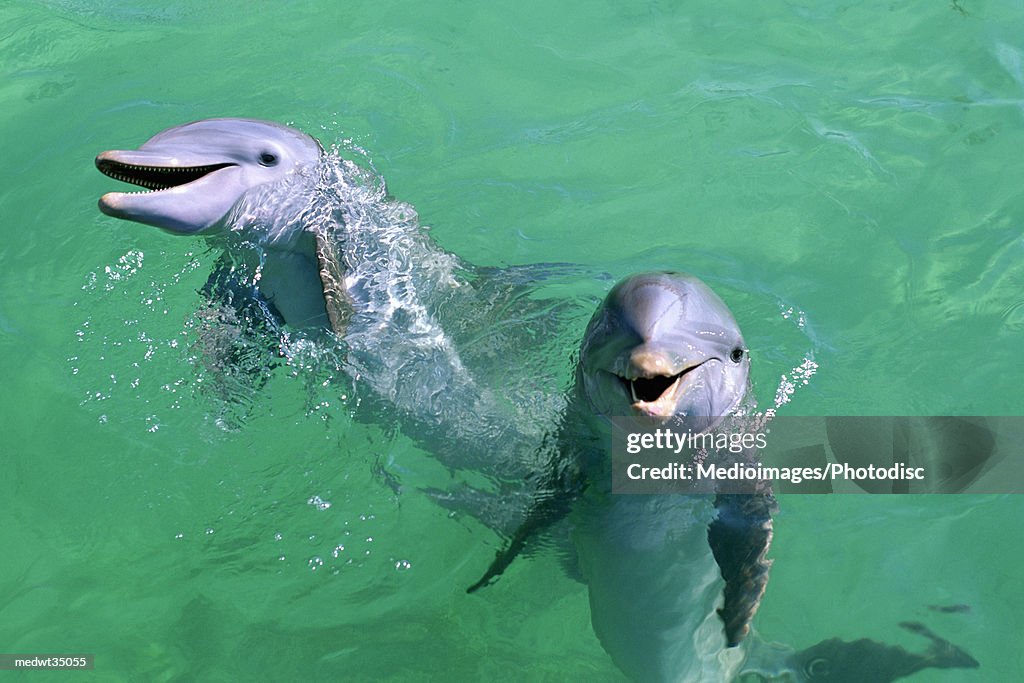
pixel 663 345
pixel 194 174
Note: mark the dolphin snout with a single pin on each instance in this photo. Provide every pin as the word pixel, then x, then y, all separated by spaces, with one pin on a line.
pixel 649 362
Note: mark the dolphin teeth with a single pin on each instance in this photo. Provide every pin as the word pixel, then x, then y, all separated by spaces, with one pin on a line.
pixel 156 178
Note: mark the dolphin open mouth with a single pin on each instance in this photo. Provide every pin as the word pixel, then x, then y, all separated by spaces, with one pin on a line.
pixel 656 394
pixel 155 178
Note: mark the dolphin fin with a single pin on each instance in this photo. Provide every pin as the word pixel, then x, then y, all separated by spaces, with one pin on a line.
pixel 545 511
pixel 503 558
pixel 235 335
pixel 941 654
pixel 739 538
pixel 332 277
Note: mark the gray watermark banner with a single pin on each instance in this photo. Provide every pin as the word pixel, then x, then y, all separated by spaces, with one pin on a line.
pixel 935 455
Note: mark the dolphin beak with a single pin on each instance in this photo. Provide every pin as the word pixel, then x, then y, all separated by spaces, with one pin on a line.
pixel 180 194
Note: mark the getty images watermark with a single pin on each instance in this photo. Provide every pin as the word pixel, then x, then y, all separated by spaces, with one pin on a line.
pixel 818 455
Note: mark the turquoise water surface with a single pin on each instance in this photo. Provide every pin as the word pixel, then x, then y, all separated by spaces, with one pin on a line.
pixel 846 175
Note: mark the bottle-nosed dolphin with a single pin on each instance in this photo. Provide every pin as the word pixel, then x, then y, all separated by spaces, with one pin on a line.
pixel 674 580
pixel 421 328
pixel 442 345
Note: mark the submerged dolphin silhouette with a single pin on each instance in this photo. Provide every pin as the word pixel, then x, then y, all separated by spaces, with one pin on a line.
pixel 860 661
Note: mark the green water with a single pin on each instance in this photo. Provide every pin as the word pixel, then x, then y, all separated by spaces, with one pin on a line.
pixel 853 165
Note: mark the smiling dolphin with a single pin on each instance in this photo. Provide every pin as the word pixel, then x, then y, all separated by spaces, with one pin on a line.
pixel 324 246
pixel 674 580
pixel 663 345
pixel 195 173
pixel 195 176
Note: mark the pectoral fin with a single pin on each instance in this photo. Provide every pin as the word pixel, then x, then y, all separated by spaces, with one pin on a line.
pixel 332 276
pixel 740 538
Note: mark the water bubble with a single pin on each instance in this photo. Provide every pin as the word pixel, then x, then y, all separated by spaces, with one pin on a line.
pixel 319 503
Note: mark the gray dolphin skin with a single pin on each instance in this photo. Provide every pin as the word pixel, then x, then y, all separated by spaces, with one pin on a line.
pixel 466 361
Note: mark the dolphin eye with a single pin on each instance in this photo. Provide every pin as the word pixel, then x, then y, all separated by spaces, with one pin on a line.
pixel 268 159
pixel 818 667
pixel 737 355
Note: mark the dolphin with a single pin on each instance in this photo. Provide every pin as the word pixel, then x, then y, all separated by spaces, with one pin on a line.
pixel 673 580
pixel 326 248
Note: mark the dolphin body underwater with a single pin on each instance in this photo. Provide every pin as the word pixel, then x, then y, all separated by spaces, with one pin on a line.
pixel 440 343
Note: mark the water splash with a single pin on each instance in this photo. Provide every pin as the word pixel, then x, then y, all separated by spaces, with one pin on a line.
pixel 799 376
